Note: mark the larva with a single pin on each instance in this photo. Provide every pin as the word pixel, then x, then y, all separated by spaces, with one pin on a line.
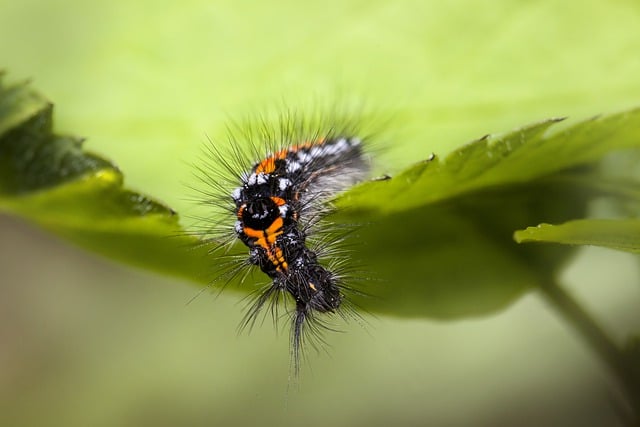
pixel 280 201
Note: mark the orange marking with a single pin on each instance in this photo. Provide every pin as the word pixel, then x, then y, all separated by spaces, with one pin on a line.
pixel 266 239
pixel 275 229
pixel 254 234
pixel 279 201
pixel 268 165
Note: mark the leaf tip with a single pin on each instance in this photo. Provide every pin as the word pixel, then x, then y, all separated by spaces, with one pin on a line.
pixel 526 235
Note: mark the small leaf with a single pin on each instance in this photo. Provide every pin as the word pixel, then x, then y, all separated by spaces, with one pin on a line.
pixel 620 234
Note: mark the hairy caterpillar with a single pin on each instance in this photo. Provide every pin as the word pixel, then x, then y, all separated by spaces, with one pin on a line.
pixel 277 182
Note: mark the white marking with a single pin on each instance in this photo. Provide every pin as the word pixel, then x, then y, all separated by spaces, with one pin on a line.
pixel 283 184
pixel 331 149
pixel 304 157
pixel 293 166
pixel 316 151
pixel 238 227
pixel 262 178
pixel 342 145
pixel 283 211
pixel 336 147
pixel 236 194
pixel 258 179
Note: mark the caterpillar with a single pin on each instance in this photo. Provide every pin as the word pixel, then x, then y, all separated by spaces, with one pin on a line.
pixel 279 202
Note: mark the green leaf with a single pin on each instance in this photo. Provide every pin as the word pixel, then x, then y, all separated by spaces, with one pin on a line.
pixel 620 234
pixel 51 181
pixel 436 239
pixel 518 157
pixel 456 217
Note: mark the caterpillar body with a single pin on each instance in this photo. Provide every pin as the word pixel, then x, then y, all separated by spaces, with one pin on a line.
pixel 280 205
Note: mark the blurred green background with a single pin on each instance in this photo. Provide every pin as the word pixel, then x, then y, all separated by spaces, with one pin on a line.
pixel 87 342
